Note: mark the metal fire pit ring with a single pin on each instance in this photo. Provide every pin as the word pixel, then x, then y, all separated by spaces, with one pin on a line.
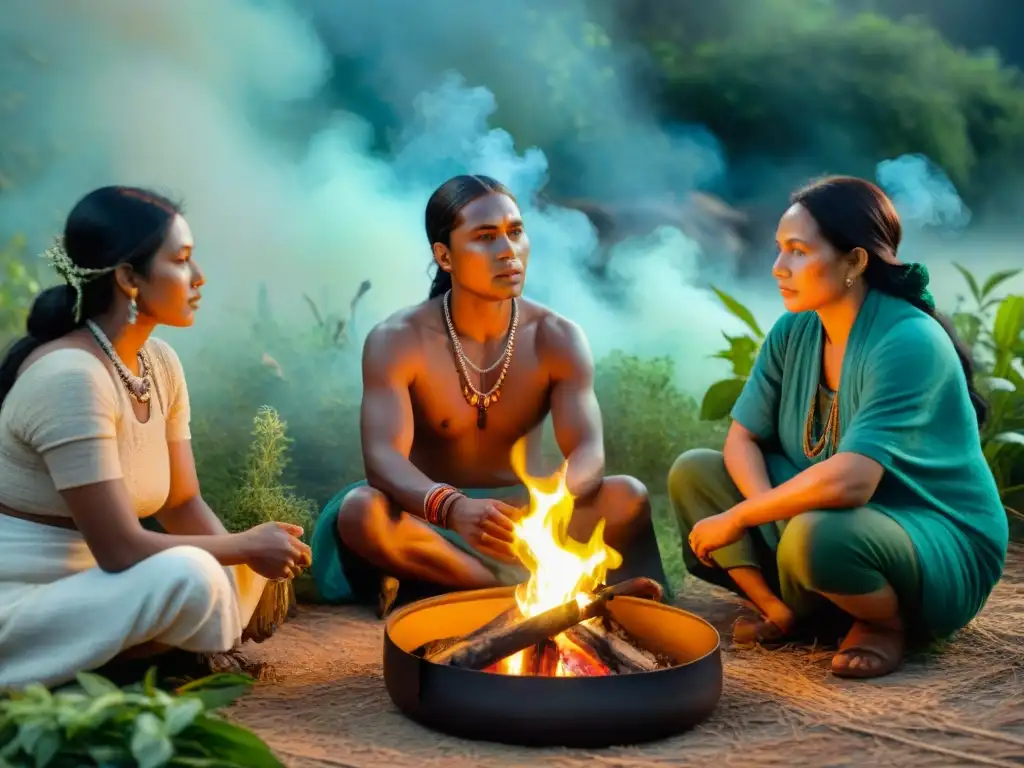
pixel 553 711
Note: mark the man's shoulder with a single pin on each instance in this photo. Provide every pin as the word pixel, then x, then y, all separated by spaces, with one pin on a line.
pixel 552 328
pixel 397 342
pixel 407 323
pixel 560 342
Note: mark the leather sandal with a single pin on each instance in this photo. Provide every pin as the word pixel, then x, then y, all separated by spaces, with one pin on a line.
pixel 886 648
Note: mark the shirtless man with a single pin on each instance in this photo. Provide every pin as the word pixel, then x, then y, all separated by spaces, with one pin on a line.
pixel 449 386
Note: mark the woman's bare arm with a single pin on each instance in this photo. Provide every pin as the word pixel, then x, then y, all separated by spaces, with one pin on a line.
pixel 845 480
pixel 103 513
pixel 744 460
pixel 186 512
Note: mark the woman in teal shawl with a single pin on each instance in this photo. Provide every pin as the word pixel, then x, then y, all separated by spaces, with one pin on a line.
pixel 852 476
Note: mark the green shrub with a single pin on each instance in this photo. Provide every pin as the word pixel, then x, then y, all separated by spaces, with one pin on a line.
pixel 258 494
pixel 648 421
pixel 994 328
pixel 95 723
pixel 18 288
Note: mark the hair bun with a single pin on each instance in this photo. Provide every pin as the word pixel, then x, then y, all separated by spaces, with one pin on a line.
pixel 910 282
pixel 915 278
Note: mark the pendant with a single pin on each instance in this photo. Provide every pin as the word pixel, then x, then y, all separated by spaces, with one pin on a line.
pixel 481 416
pixel 139 389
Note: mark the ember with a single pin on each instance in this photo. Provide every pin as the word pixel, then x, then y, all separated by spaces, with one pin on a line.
pixel 560 627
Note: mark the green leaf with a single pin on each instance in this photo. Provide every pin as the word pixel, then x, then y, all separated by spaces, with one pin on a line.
pixel 149 682
pixel 219 690
pixel 997 384
pixel 151 746
pixel 228 741
pixel 30 732
pixel 95 714
pixel 740 311
pixel 1015 438
pixel 720 398
pixel 181 713
pixel 94 685
pixel 46 748
pixel 742 353
pixel 109 754
pixel 996 279
pixel 972 284
pixel 1009 323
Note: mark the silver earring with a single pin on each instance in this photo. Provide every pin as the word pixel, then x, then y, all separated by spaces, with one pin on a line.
pixel 133 311
pixel 849 282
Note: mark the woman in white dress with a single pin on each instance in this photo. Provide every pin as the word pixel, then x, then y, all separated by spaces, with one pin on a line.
pixel 94 436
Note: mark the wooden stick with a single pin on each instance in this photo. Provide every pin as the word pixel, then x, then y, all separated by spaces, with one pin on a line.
pixel 434 647
pixel 616 653
pixel 489 647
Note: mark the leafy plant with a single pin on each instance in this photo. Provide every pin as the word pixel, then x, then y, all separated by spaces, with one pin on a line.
pixel 970 323
pixel 994 328
pixel 741 353
pixel 18 288
pixel 648 421
pixel 260 495
pixel 95 723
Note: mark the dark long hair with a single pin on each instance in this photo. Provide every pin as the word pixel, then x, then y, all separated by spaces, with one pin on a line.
pixel 107 227
pixel 852 213
pixel 443 209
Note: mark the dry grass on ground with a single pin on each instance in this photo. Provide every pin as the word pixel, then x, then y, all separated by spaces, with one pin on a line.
pixel 962 707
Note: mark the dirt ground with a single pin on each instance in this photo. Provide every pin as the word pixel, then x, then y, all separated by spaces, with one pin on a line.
pixel 961 707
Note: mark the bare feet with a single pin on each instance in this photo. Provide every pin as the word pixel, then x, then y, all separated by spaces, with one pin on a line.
pixel 869 650
pixel 774 626
pixel 237 662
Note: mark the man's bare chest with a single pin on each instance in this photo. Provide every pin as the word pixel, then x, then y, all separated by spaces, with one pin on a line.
pixel 448 402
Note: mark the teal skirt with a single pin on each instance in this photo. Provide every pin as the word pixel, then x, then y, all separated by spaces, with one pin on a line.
pixel 342 576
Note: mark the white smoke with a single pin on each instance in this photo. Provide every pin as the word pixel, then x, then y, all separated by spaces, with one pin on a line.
pixel 922 193
pixel 935 223
pixel 219 103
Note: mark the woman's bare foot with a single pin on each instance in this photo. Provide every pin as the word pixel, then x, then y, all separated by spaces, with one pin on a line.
pixel 775 625
pixel 237 662
pixel 869 650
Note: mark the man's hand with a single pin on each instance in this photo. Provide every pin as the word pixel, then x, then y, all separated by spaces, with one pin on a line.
pixel 713 533
pixel 487 524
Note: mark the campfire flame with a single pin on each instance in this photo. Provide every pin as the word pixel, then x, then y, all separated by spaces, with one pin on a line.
pixel 561 568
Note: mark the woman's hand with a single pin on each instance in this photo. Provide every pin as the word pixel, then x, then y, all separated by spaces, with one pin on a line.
pixel 715 532
pixel 274 551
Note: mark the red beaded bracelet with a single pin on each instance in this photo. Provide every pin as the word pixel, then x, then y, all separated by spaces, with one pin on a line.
pixel 437 503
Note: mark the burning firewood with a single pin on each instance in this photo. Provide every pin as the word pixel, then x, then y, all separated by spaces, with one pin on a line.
pixel 615 648
pixel 488 646
pixel 434 647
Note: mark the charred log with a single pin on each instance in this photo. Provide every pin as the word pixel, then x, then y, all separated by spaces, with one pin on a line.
pixel 500 621
pixel 489 647
pixel 619 652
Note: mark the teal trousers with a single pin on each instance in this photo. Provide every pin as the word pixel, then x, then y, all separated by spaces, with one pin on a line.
pixel 842 551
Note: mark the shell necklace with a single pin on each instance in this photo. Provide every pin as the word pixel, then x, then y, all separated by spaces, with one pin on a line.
pixel 477 399
pixel 139 387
